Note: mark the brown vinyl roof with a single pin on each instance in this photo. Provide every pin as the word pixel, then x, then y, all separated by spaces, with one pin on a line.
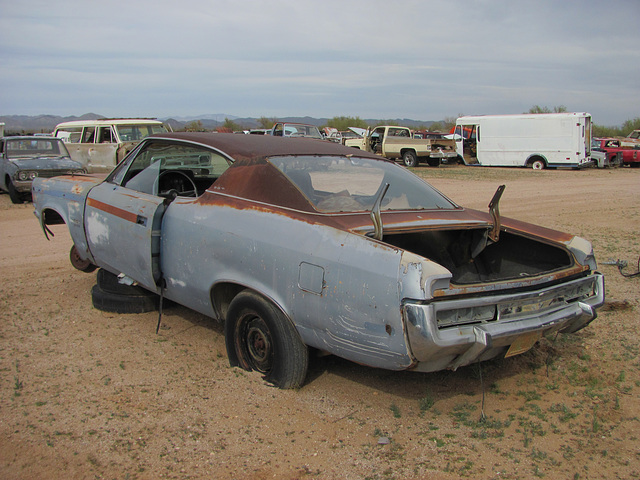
pixel 256 147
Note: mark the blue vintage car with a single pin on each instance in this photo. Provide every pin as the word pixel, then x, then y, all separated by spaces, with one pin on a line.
pixel 299 243
pixel 24 158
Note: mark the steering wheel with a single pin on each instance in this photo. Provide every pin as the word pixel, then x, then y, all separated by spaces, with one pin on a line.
pixel 176 184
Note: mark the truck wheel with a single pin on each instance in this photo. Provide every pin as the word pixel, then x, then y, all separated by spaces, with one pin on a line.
pixel 409 159
pixel 14 195
pixel 538 164
pixel 259 337
pixel 433 162
pixel 79 263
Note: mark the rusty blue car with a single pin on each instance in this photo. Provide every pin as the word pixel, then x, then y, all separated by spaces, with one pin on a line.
pixel 300 244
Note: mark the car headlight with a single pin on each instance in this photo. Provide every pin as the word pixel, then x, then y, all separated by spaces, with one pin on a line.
pixel 26 175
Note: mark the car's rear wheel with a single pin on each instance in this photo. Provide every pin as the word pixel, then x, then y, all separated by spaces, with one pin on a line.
pixel 409 159
pixel 79 263
pixel 260 337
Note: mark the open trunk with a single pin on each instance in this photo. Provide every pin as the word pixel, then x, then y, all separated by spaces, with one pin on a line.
pixel 471 259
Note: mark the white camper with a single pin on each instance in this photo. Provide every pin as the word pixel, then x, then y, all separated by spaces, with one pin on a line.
pixel 539 141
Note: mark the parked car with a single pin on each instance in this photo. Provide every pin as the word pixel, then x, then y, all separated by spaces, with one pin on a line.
pixel 100 144
pixel 632 140
pixel 395 142
pixel 297 244
pixel 332 134
pixel 289 129
pixel 24 158
pixel 629 155
pixel 603 158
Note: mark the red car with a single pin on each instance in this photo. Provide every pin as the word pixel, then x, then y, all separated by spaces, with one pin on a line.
pixel 630 155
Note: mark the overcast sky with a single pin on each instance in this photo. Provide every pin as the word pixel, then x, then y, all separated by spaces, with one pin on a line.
pixel 424 60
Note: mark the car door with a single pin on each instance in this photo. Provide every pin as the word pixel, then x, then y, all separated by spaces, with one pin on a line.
pixel 123 232
pixel 125 215
pixel 102 152
pixel 123 219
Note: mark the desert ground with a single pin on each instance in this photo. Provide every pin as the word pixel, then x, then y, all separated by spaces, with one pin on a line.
pixel 88 394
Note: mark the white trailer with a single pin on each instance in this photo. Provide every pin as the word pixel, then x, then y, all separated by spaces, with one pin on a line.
pixel 546 140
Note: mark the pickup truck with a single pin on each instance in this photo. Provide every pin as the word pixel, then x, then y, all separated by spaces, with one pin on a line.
pixel 631 140
pixel 630 155
pixel 395 142
pixel 602 158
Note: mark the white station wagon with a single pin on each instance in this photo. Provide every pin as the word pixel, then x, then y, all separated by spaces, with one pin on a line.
pixel 101 144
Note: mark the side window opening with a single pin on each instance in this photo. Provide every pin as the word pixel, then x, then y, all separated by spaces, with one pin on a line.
pixel 105 135
pixel 173 170
pixel 70 134
pixel 88 135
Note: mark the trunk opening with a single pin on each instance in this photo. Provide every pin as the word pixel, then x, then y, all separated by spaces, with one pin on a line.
pixel 511 257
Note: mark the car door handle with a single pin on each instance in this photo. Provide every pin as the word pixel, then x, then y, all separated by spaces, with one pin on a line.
pixel 140 220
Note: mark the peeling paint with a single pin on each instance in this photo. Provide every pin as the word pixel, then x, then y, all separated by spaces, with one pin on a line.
pixel 98 228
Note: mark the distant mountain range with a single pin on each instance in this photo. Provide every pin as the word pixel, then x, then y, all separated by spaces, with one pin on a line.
pixel 25 124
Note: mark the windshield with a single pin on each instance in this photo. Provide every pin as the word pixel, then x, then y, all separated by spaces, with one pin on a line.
pixel 295 130
pixel 31 147
pixel 352 184
pixel 135 133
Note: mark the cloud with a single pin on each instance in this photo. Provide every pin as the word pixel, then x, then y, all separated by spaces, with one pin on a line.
pixel 367 58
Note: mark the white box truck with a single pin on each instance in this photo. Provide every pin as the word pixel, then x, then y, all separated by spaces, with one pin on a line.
pixel 545 140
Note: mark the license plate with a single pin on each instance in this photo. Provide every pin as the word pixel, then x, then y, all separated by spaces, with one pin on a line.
pixel 523 343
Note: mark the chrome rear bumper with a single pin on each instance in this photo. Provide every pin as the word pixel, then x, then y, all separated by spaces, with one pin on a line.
pixel 452 333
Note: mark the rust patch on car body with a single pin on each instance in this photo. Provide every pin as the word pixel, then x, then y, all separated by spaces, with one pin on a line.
pixel 118 212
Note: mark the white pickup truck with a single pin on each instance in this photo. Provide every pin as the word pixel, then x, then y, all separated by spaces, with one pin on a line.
pixel 395 142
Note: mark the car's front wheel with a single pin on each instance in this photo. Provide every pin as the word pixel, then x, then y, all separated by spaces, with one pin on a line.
pixel 14 195
pixel 260 337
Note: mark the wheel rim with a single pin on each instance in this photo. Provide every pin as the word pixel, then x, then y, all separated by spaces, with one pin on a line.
pixel 256 346
pixel 76 261
pixel 538 165
pixel 408 160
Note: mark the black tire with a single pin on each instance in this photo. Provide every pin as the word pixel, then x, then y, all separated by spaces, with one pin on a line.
pixel 80 264
pixel 108 283
pixel 409 158
pixel 538 164
pixel 260 337
pixel 113 303
pixel 434 162
pixel 14 195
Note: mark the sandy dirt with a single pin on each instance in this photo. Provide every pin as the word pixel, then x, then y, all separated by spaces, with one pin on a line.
pixel 88 394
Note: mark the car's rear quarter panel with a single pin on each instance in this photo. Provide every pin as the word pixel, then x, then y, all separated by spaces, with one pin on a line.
pixel 65 195
pixel 339 289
